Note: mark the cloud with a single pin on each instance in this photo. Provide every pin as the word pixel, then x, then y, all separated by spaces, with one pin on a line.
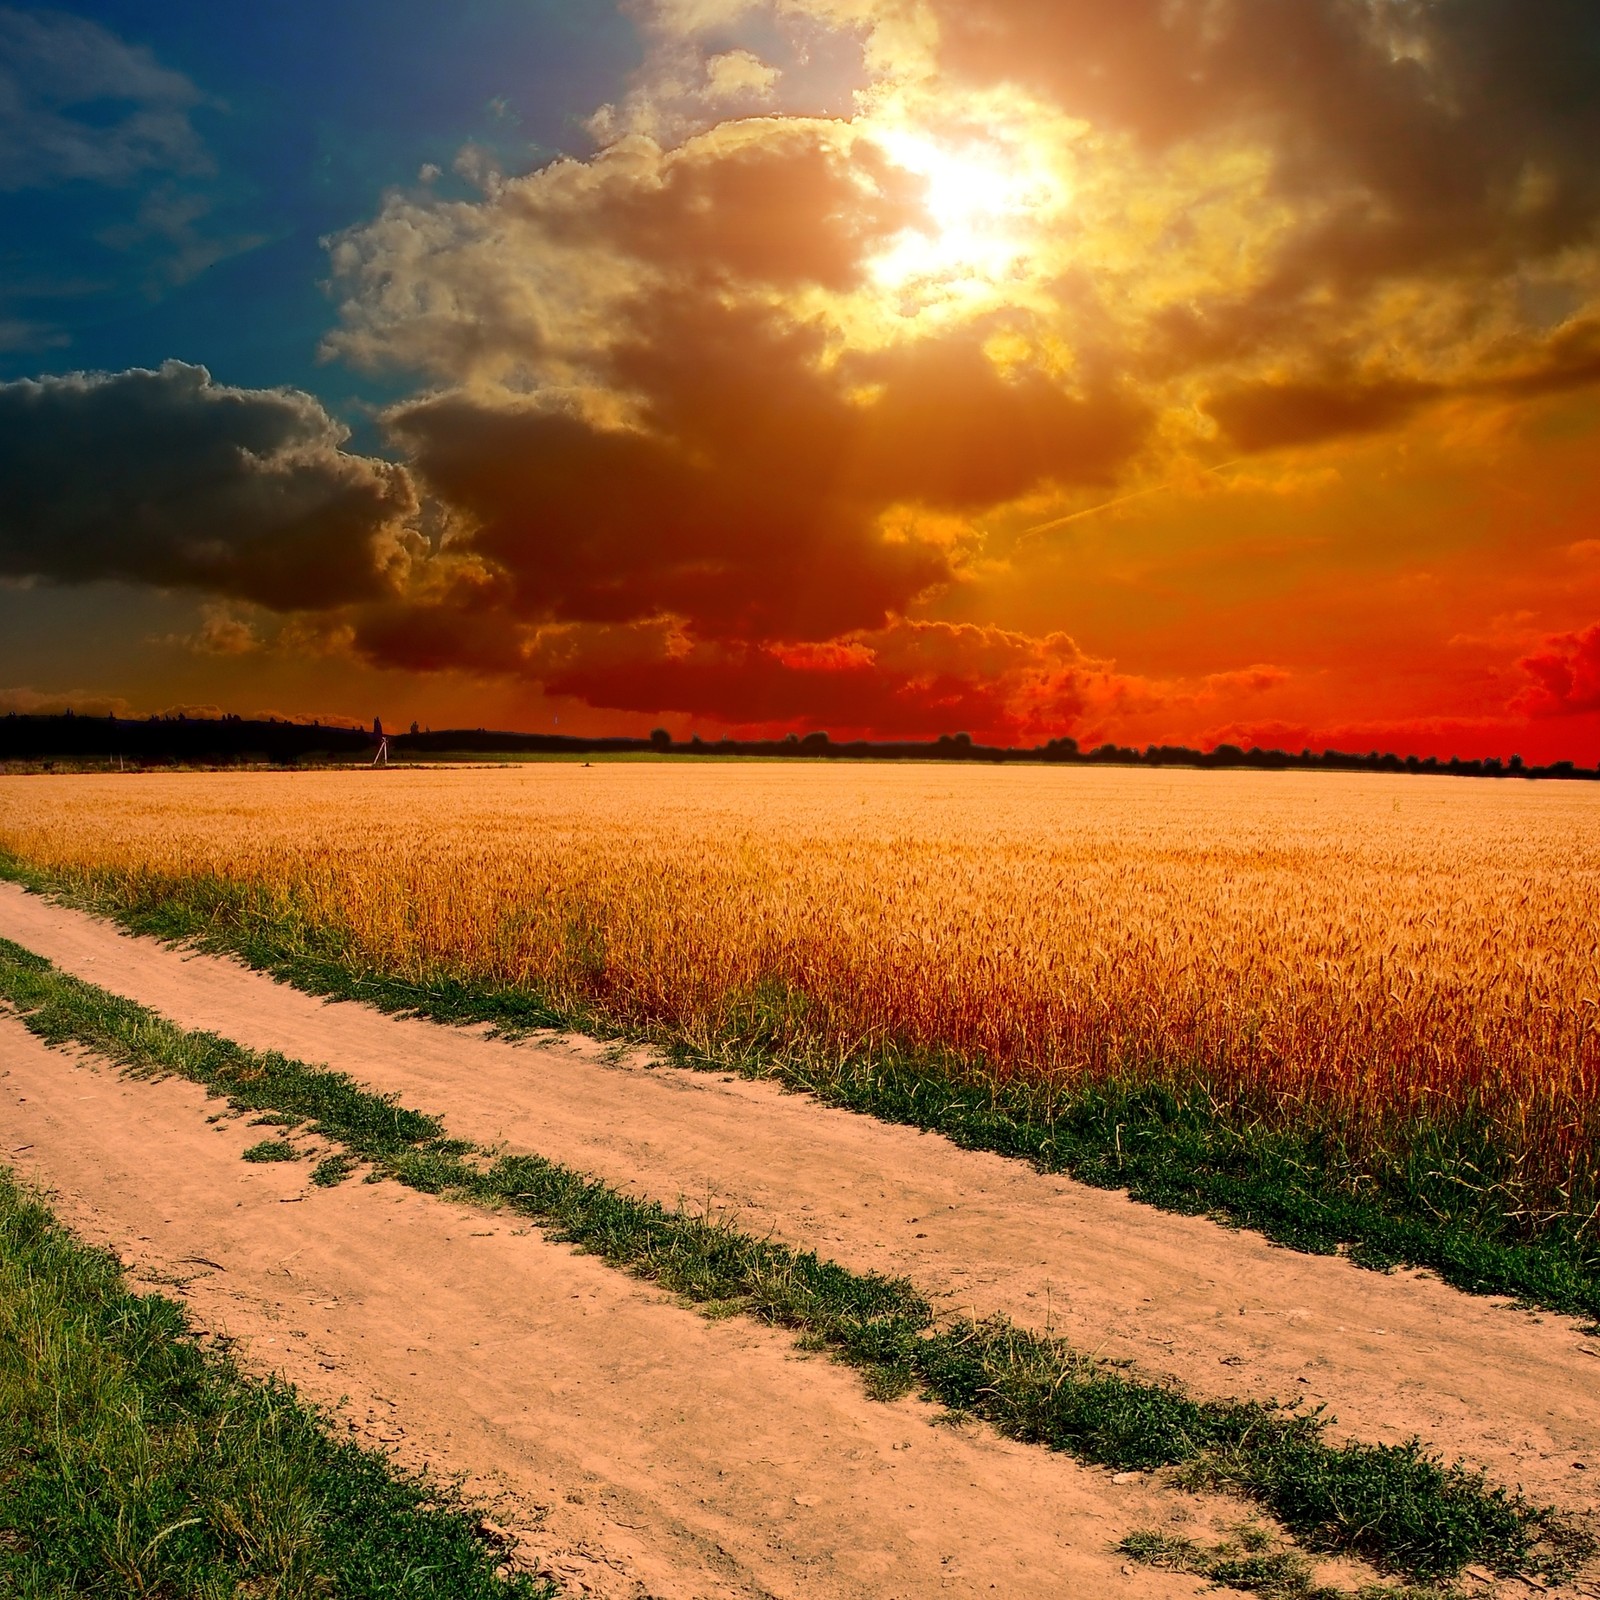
pixel 642 420
pixel 1266 416
pixel 81 107
pixel 748 497
pixel 169 221
pixel 723 418
pixel 532 284
pixel 456 618
pixel 221 633
pixel 25 702
pixel 1564 674
pixel 1428 132
pixel 1261 678
pixel 1441 736
pixel 739 75
pixel 906 680
pixel 164 477
pixel 1351 207
pixel 28 334
pixel 1276 413
pixel 1301 222
pixel 77 103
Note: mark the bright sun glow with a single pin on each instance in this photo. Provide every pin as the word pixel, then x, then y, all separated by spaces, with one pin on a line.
pixel 981 199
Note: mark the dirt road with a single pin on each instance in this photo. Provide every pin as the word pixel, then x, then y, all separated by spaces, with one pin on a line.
pixel 638 1448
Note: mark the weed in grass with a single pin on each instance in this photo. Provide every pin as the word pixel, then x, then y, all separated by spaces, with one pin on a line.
pixel 133 1463
pixel 271 1150
pixel 1397 1505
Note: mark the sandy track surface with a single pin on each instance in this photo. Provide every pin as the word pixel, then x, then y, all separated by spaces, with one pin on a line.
pixel 635 1447
pixel 1224 1312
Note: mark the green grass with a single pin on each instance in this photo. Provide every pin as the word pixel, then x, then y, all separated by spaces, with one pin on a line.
pixel 333 1170
pixel 1256 1563
pixel 134 1463
pixel 1437 1199
pixel 1398 1505
pixel 270 1150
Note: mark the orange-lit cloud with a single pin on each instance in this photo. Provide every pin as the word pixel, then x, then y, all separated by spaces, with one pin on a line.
pixel 1565 674
pixel 912 679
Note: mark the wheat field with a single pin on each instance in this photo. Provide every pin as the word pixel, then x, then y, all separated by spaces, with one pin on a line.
pixel 1370 951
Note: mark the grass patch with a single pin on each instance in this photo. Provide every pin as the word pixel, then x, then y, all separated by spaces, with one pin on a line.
pixel 1257 1563
pixel 1443 1197
pixel 133 1463
pixel 1398 1505
pixel 270 1150
pixel 333 1170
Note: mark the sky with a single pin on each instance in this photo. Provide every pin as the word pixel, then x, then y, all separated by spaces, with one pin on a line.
pixel 1157 371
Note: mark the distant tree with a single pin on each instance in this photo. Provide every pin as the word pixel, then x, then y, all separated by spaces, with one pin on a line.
pixel 377 727
pixel 660 739
pixel 415 728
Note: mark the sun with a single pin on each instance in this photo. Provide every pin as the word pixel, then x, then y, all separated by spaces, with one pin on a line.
pixel 982 199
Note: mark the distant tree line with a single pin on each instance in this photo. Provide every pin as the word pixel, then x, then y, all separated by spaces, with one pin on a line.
pixel 180 740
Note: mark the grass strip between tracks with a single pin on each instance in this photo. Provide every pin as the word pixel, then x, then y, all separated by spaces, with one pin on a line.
pixel 1256 1562
pixel 134 1463
pixel 1394 1504
pixel 1445 1198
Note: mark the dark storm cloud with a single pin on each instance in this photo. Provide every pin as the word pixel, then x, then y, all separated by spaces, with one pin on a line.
pixel 164 477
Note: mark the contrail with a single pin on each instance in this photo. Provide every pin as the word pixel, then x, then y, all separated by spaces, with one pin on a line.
pixel 1121 500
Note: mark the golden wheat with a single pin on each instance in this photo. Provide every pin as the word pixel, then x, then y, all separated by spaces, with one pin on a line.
pixel 1372 948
